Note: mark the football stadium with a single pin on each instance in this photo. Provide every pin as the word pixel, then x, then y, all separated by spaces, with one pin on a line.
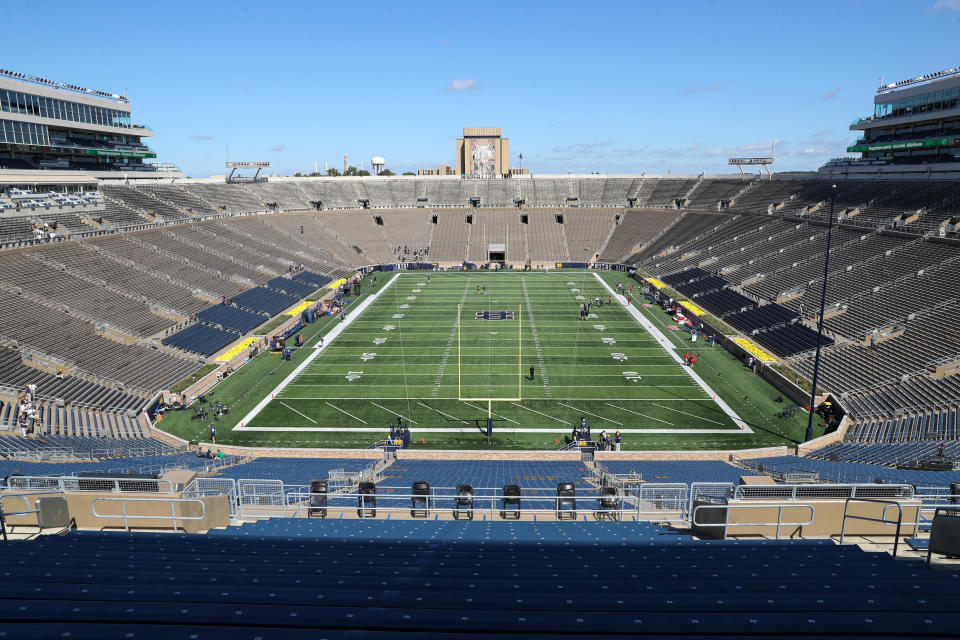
pixel 477 400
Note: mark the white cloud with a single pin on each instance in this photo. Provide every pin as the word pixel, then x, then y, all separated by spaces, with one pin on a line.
pixel 462 85
pixel 277 147
pixel 947 5
pixel 829 95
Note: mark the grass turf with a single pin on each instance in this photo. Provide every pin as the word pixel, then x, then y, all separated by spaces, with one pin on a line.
pixel 406 355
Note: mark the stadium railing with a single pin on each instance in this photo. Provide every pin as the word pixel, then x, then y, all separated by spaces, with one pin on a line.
pixel 726 509
pixel 273 498
pixel 127 517
pixel 76 483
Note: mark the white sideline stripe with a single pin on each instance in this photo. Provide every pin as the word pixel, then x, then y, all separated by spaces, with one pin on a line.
pixel 639 414
pixel 453 398
pixel 492 413
pixel 685 413
pixel 298 413
pixel 535 411
pixel 344 412
pixel 336 331
pixel 472 430
pixel 590 414
pixel 442 413
pixel 670 348
pixel 385 409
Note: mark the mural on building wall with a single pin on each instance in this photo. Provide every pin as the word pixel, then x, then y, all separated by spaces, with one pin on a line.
pixel 482 155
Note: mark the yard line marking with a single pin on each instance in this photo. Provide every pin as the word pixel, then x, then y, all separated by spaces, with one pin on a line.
pixel 535 411
pixel 496 414
pixel 393 412
pixel 671 349
pixel 590 414
pixel 344 412
pixel 330 337
pixel 639 414
pixel 544 378
pixel 686 414
pixel 297 412
pixel 446 415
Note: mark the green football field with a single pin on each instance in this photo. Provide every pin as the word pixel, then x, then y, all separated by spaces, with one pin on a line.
pixel 443 351
pixel 607 369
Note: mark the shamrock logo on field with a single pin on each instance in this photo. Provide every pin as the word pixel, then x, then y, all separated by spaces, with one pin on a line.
pixel 632 376
pixel 379 340
pixel 599 327
pixel 608 340
pixel 388 327
pixel 404 306
pixel 397 315
pixel 368 356
pixel 353 375
pixel 411 297
pixel 619 356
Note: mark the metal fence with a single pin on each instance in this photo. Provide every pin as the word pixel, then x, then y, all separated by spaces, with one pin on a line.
pixel 204 487
pixel 822 491
pixel 104 485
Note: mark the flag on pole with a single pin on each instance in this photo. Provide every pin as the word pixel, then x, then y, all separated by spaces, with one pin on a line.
pixel 521 156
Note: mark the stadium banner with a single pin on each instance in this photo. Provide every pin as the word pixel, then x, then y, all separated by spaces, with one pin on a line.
pixel 692 308
pixel 572 265
pixel 754 350
pixel 111 153
pixel 612 266
pixel 236 350
pixel 902 146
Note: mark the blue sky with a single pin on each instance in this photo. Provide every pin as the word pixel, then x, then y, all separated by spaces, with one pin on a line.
pixel 576 86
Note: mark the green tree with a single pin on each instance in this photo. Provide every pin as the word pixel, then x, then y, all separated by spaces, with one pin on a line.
pixel 387 172
pixel 363 172
pixel 298 175
pixel 351 171
pixel 332 171
pixel 408 173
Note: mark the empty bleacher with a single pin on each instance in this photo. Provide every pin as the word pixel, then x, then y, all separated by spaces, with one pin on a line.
pixel 201 339
pixel 291 286
pixel 310 578
pixel 230 317
pixel 264 300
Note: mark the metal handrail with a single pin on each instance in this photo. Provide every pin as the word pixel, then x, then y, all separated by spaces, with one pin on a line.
pixel 726 523
pixel 882 519
pixel 26 503
pixel 126 517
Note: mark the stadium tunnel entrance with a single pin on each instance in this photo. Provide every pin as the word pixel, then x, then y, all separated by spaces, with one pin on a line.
pixel 497 253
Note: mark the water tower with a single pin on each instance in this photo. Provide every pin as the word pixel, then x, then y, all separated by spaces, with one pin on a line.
pixel 377 163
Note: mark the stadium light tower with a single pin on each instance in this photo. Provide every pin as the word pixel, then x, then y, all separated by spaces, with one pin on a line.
pixel 823 304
